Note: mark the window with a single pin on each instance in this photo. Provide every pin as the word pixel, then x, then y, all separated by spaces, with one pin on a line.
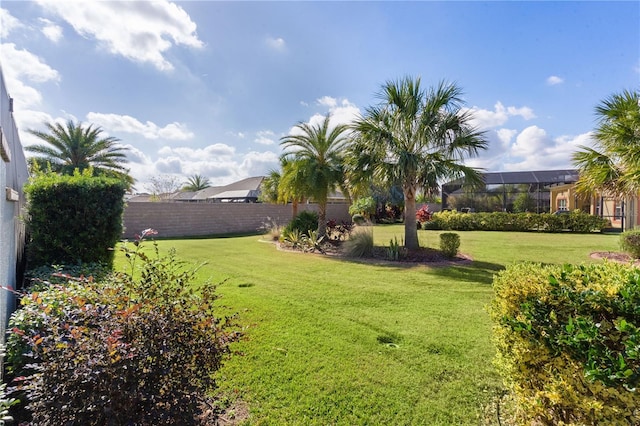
pixel 562 204
pixel 618 211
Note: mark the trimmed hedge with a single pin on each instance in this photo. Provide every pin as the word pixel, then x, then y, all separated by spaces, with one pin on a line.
pixel 630 242
pixel 74 219
pixel 568 342
pixel 576 221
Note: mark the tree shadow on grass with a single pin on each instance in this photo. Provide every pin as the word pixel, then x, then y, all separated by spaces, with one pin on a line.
pixel 476 272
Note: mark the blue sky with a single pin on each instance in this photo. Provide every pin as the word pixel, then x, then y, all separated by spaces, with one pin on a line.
pixel 209 87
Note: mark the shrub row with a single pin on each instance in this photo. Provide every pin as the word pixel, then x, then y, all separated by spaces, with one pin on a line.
pixel 568 342
pixel 74 219
pixel 575 221
pixel 121 350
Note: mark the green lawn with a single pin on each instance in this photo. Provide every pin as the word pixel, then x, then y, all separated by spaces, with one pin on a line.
pixel 332 341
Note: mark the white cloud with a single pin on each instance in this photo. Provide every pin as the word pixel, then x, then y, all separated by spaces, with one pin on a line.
pixel 51 31
pixel 259 163
pixel 265 137
pixel 505 136
pixel 554 80
pixel 484 119
pixel 19 65
pixel 213 152
pixel 535 150
pixel 149 130
pixel 141 31
pixel 22 63
pixel 277 44
pixel 531 141
pixel 342 112
pixel 7 23
pixel 218 162
pixel 328 101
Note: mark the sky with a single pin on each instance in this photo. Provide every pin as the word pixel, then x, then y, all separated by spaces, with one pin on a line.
pixel 210 87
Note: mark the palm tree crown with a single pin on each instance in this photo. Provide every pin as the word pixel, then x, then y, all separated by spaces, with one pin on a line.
pixel 314 166
pixel 69 147
pixel 414 138
pixel 612 165
pixel 196 183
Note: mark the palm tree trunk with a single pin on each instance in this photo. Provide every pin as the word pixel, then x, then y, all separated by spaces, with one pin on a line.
pixel 294 209
pixel 410 230
pixel 322 219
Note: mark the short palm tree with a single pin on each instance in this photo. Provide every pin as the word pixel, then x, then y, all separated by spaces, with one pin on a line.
pixel 73 146
pixel 612 165
pixel 314 158
pixel 414 138
pixel 196 183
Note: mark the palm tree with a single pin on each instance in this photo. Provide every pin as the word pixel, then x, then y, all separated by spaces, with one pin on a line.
pixel 612 166
pixel 73 147
pixel 414 138
pixel 196 183
pixel 314 164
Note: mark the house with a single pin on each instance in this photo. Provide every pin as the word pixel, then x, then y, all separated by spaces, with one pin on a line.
pixel 623 213
pixel 501 190
pixel 243 191
pixel 13 174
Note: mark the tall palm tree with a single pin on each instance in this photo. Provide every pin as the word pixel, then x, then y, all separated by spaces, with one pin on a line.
pixel 315 164
pixel 612 165
pixel 72 146
pixel 414 138
pixel 196 183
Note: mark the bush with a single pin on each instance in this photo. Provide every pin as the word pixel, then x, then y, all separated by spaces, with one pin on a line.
pixel 630 242
pixel 423 214
pixel 304 222
pixel 568 342
pixel 395 251
pixel 365 206
pixel 449 243
pixel 122 351
pixel 74 219
pixel 338 231
pixel 360 243
pixel 358 219
pixel 576 221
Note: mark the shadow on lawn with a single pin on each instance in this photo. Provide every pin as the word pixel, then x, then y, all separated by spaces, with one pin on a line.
pixel 475 271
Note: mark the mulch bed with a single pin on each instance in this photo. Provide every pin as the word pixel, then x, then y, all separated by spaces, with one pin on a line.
pixel 615 257
pixel 421 256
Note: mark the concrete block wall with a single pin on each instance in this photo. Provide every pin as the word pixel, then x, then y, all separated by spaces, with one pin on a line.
pixel 197 219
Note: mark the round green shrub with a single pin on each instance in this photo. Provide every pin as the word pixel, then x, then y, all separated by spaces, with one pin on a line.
pixel 304 222
pixel 358 219
pixel 449 243
pixel 630 242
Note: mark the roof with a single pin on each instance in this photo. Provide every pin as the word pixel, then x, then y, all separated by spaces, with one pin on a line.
pixel 538 176
pixel 239 194
pixel 248 184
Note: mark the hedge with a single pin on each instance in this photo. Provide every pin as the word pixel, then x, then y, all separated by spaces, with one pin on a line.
pixel 73 219
pixel 576 221
pixel 568 342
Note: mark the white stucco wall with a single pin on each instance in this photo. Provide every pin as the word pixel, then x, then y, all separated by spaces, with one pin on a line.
pixel 13 175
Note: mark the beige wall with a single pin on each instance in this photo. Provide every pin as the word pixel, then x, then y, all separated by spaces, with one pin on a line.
pixel 195 219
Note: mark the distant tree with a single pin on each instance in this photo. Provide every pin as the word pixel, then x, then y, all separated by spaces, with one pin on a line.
pixel 196 183
pixel 73 146
pixel 415 138
pixel 524 202
pixel 163 186
pixel 269 187
pixel 316 169
pixel 612 166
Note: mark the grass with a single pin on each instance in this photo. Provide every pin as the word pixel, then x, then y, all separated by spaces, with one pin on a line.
pixel 331 341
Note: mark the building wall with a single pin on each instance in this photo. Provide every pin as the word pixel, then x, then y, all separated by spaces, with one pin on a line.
pixel 13 175
pixel 197 219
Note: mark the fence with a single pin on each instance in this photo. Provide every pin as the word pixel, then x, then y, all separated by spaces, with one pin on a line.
pixel 198 219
